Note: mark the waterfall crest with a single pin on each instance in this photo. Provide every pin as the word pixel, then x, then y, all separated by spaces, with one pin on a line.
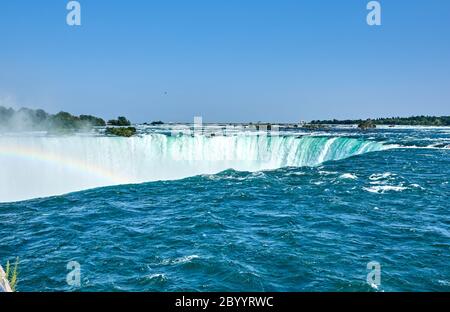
pixel 39 166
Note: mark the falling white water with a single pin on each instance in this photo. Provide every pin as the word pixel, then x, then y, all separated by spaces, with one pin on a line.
pixel 38 166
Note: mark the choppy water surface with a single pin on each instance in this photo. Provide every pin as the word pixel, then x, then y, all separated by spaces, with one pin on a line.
pixel 308 220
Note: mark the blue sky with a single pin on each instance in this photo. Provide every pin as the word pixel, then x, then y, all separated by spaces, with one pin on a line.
pixel 227 60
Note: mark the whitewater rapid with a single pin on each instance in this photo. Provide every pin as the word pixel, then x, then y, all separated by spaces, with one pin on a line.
pixel 40 166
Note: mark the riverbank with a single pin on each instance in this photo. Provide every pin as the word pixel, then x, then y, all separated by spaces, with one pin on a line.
pixel 392 121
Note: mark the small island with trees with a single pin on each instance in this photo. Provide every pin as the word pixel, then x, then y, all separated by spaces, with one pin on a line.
pixel 122 127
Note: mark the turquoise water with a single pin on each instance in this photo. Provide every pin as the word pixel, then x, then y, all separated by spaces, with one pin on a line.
pixel 310 227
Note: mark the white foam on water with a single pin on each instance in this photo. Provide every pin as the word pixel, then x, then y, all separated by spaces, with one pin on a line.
pixel 380 176
pixel 381 189
pixel 157 276
pixel 348 176
pixel 180 260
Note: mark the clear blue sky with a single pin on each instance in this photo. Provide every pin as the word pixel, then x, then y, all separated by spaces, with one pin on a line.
pixel 227 60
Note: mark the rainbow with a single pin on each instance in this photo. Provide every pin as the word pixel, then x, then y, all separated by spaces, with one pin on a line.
pixel 71 163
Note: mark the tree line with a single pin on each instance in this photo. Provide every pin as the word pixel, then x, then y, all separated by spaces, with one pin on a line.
pixel 25 119
pixel 400 121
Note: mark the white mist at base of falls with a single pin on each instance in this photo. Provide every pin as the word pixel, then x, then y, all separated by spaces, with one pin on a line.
pixel 39 166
